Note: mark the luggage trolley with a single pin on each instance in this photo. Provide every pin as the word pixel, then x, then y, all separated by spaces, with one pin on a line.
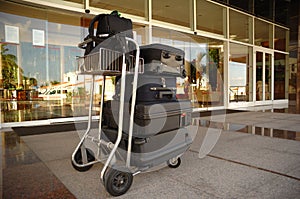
pixel 122 150
pixel 106 63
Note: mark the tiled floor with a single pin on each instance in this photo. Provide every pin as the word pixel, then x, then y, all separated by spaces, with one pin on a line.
pixel 24 175
pixel 240 165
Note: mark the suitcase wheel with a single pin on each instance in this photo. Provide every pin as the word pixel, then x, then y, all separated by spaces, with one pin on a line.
pixel 117 182
pixel 174 162
pixel 78 160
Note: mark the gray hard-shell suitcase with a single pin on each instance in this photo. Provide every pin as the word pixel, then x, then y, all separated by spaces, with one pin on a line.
pixel 154 150
pixel 160 58
pixel 150 118
pixel 150 88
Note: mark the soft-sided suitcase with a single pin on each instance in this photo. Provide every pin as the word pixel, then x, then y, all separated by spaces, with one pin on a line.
pixel 108 26
pixel 149 119
pixel 168 56
pixel 150 88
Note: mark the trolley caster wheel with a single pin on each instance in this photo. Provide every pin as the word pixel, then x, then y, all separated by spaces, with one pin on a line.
pixel 117 182
pixel 78 160
pixel 174 162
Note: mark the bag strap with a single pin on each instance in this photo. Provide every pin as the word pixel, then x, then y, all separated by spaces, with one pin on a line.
pixel 92 23
pixel 97 18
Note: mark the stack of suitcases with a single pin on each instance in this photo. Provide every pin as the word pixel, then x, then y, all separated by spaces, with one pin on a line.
pixel 159 115
pixel 160 131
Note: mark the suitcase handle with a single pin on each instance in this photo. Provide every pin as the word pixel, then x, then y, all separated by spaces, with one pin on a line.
pixel 162 89
pixel 168 94
pixel 164 92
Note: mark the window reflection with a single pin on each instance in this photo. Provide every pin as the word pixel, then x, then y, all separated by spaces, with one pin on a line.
pixel 207 20
pixel 240 73
pixel 264 8
pixel 43 81
pixel 279 76
pixel 263 34
pixel 280 40
pixel 204 65
pixel 268 76
pixel 246 5
pixel 240 27
pixel 175 11
pixel 259 76
pixel 134 7
pixel 42 78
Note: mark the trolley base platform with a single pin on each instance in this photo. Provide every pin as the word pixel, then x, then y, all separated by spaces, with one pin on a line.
pixel 152 151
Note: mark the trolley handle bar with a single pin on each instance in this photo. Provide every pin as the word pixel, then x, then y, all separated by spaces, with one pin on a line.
pixel 89 39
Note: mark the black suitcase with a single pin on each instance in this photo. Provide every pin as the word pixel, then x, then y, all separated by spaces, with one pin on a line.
pixel 152 151
pixel 149 119
pixel 162 58
pixel 108 26
pixel 150 88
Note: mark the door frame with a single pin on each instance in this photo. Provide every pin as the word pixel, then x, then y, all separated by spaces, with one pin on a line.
pixel 264 51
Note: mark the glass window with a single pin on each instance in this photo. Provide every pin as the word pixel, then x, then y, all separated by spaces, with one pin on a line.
pixel 279 76
pixel 175 12
pixel 282 10
pixel 211 17
pixel 240 27
pixel 206 66
pixel 134 7
pixel 203 64
pixel 264 8
pixel 141 33
pixel 41 45
pixel 280 41
pixel 263 76
pixel 263 33
pixel 240 73
pixel 43 63
pixel 268 76
pixel 259 75
pixel 246 5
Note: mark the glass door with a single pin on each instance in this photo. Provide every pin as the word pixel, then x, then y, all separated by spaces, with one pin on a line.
pixel 263 75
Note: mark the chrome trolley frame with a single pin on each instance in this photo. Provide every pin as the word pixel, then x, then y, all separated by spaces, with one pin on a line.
pixel 104 63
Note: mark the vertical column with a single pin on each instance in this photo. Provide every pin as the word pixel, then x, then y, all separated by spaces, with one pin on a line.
pixel 287 77
pixel 250 76
pixel 2 153
pixel 86 5
pixel 271 35
pixel 47 53
pixel 298 68
pixel 19 58
pixel 193 15
pixel 1 77
pixel 149 11
pixel 1 96
pixel 226 22
pixel 226 74
pixel 272 77
pixel 264 77
pixel 226 63
pixel 62 72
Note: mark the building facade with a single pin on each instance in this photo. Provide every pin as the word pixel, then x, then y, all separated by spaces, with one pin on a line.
pixel 236 54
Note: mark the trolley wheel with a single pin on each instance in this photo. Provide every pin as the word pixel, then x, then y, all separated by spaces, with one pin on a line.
pixel 117 182
pixel 78 160
pixel 174 162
